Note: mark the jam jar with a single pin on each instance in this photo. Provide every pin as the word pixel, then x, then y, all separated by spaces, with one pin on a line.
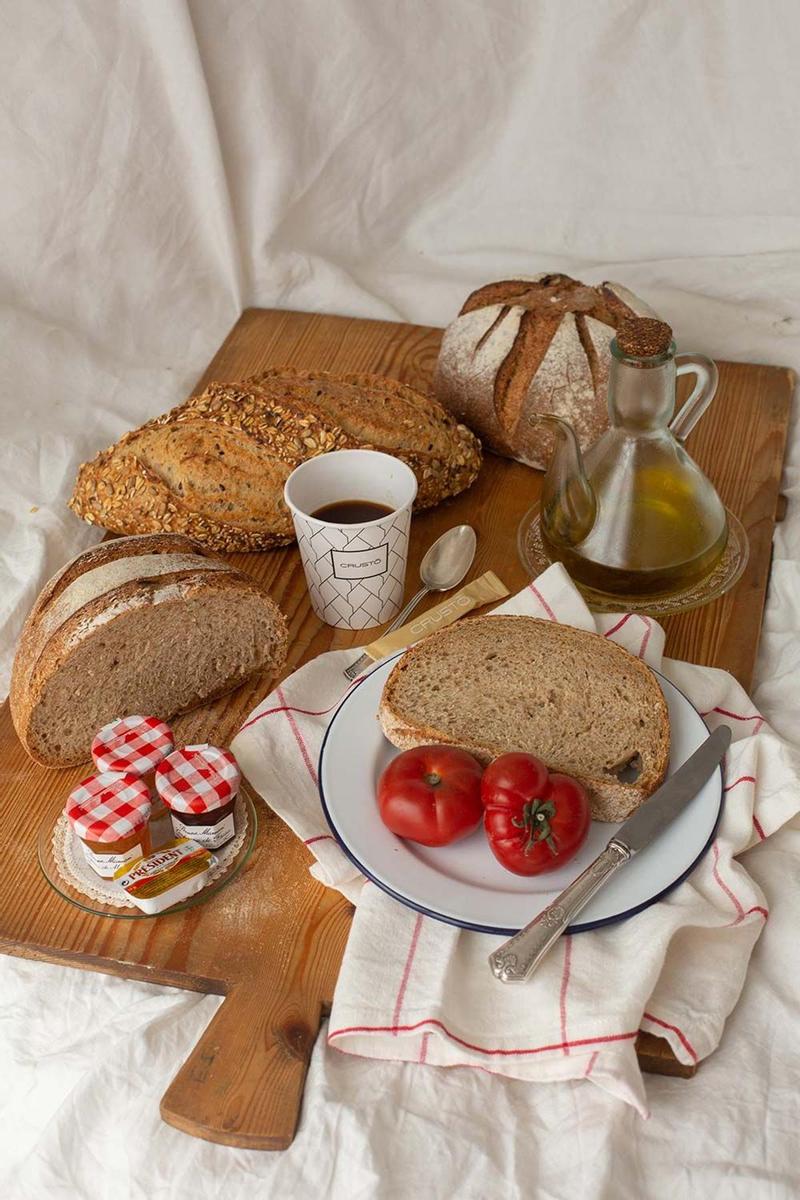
pixel 136 745
pixel 199 785
pixel 110 813
pixel 132 746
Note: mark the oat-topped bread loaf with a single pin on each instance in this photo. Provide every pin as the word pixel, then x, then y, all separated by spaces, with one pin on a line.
pixel 521 346
pixel 148 625
pixel 215 466
pixel 581 703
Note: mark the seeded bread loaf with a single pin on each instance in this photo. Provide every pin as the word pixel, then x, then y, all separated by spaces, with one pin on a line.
pixel 578 701
pixel 521 346
pixel 214 467
pixel 136 625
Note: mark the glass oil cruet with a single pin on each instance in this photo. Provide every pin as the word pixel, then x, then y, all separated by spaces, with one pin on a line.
pixel 634 515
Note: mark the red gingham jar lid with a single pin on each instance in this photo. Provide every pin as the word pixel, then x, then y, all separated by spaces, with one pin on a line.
pixel 132 744
pixel 197 779
pixel 108 807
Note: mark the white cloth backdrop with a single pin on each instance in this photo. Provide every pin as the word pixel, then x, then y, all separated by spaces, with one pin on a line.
pixel 166 163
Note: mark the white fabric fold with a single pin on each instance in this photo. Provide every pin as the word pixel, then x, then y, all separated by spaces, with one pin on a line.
pixel 415 989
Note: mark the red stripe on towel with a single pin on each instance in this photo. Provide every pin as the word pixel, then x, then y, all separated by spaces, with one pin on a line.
pixel 723 712
pixel 590 1064
pixel 562 1000
pixel 306 712
pixel 622 621
pixel 646 637
pixel 543 602
pixel 288 708
pixel 748 779
pixel 423 1050
pixel 687 1045
pixel 759 908
pixel 298 737
pixel 321 837
pixel 395 1029
pixel 412 949
pixel 741 779
pixel 736 903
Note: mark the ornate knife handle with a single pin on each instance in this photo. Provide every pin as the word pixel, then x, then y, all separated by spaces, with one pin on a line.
pixel 517 959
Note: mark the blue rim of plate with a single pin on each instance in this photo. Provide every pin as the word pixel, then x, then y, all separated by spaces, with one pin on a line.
pixel 580 926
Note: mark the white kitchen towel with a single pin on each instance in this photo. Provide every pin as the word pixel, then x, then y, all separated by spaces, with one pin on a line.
pixel 415 989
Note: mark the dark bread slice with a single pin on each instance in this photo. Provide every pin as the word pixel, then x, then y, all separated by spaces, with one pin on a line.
pixel 141 624
pixel 578 701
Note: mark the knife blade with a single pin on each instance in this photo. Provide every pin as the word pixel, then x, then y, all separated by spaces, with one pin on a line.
pixel 672 797
pixel 516 959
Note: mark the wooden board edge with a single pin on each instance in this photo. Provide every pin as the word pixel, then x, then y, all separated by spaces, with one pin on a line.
pixel 191 1128
pixel 656 1057
pixel 112 966
pixel 232 1100
pixel 791 374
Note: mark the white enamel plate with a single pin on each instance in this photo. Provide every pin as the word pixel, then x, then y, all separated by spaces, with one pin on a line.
pixel 463 883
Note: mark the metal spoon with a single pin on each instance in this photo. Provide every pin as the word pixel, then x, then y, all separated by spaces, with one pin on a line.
pixel 445 564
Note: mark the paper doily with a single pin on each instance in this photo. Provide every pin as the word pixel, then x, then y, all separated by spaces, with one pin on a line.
pixel 76 872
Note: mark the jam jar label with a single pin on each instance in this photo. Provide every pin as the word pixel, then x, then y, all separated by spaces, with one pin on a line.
pixel 211 837
pixel 108 864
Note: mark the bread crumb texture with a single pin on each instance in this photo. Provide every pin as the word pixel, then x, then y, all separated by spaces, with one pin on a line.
pixel 584 705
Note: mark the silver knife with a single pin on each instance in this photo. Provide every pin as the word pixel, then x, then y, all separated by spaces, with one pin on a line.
pixel 516 959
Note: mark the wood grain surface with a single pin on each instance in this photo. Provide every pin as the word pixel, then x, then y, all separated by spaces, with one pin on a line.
pixel 272 941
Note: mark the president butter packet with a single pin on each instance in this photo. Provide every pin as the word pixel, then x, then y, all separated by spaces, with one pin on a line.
pixel 169 875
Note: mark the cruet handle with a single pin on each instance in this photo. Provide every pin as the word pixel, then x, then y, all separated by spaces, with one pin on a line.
pixel 702 394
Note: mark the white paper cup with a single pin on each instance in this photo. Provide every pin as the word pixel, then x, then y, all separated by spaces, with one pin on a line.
pixel 355 573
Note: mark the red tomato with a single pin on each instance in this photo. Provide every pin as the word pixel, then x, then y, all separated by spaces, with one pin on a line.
pixel 431 795
pixel 534 821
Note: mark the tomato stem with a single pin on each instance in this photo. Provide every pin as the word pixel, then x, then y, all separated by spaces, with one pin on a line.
pixel 536 818
pixel 433 779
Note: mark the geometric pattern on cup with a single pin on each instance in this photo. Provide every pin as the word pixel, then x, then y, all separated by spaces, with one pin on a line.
pixel 364 600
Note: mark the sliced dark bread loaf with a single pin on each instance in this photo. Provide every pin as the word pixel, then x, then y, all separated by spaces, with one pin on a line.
pixel 145 624
pixel 581 703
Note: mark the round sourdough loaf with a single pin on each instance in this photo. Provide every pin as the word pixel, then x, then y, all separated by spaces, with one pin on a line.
pixel 148 624
pixel 525 346
pixel 581 703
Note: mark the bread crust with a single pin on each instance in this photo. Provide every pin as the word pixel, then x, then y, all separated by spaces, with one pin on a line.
pixel 271 423
pixel 38 659
pixel 611 800
pixel 524 346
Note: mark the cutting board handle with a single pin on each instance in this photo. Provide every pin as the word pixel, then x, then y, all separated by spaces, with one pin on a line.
pixel 243 1083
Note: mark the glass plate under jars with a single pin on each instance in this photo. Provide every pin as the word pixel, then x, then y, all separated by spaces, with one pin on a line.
pixel 725 575
pixel 83 888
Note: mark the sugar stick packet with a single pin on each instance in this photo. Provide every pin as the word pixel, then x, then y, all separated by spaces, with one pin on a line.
pixel 480 591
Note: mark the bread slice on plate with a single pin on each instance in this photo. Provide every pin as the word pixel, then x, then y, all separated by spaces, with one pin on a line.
pixel 578 701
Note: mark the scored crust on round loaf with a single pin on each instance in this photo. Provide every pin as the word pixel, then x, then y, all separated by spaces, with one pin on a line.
pixel 580 702
pixel 522 346
pixel 186 629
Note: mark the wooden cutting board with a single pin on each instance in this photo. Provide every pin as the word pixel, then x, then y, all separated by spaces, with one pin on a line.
pixel 272 941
